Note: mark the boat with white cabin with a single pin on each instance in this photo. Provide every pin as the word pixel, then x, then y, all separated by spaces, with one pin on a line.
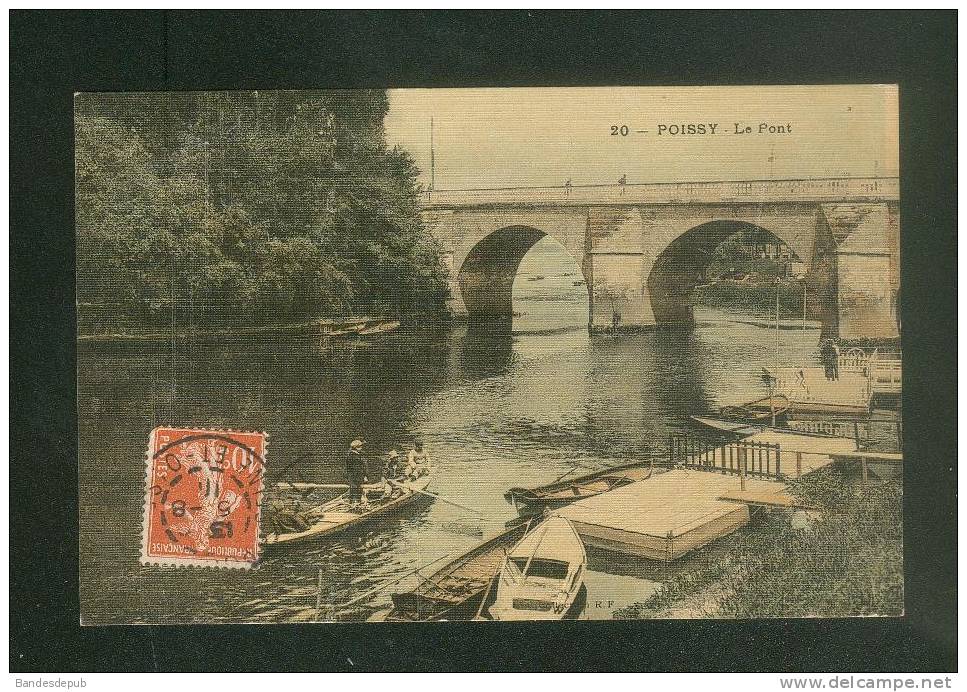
pixel 542 577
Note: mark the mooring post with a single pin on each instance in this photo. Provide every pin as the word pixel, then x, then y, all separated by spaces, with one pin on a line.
pixel 865 469
pixel 856 433
pixel 798 464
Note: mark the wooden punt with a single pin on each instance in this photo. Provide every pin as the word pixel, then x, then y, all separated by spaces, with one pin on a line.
pixel 456 590
pixel 336 516
pixel 561 493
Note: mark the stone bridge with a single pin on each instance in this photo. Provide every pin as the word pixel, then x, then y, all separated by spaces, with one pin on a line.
pixel 643 248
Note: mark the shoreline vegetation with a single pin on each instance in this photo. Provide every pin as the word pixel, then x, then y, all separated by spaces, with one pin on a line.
pixel 754 297
pixel 844 559
pixel 223 210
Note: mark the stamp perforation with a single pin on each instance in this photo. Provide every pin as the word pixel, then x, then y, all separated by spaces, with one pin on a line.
pixel 181 561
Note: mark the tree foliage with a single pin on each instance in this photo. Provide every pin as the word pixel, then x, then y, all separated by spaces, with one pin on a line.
pixel 248 207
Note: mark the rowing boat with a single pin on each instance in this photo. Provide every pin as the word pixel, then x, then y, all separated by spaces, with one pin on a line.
pixel 563 492
pixel 542 575
pixel 771 408
pixel 728 425
pixel 791 428
pixel 456 590
pixel 338 515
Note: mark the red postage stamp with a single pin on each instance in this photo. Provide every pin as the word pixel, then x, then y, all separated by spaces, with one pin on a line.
pixel 202 497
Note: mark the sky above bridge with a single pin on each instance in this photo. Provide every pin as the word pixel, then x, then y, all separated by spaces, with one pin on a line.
pixel 535 137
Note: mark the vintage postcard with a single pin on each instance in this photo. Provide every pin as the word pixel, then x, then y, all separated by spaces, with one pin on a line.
pixel 521 354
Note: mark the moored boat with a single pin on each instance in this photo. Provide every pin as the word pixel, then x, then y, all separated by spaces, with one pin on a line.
pixel 337 516
pixel 728 425
pixel 762 411
pixel 542 576
pixel 456 590
pixel 791 427
pixel 561 493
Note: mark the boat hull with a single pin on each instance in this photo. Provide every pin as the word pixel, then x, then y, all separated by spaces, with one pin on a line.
pixel 318 533
pixel 457 589
pixel 557 495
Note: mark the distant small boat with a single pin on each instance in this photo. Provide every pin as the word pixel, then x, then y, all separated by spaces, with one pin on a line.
pixel 561 493
pixel 538 277
pixel 380 328
pixel 577 283
pixel 349 329
pixel 542 576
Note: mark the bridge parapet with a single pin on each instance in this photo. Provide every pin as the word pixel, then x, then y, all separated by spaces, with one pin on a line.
pixel 749 191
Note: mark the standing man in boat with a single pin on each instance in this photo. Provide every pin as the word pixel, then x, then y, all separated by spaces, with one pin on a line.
pixel 357 470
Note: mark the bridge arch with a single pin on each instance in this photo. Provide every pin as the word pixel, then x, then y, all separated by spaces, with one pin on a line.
pixel 680 266
pixel 488 268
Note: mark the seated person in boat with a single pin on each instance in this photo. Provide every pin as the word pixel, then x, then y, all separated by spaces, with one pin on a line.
pixel 286 518
pixel 394 466
pixel 417 462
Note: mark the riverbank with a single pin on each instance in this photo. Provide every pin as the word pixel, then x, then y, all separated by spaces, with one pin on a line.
pixel 845 560
pixel 337 327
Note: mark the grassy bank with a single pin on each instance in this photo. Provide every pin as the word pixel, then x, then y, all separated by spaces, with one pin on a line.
pixel 848 562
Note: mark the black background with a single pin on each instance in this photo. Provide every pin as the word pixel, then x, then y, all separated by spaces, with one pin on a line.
pixel 53 54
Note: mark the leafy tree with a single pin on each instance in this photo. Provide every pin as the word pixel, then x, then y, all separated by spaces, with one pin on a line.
pixel 246 205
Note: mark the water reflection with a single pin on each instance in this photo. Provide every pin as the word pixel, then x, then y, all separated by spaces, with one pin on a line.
pixel 496 407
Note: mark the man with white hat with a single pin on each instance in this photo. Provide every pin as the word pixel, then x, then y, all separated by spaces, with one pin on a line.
pixel 357 471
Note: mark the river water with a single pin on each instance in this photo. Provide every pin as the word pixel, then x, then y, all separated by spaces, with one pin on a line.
pixel 496 408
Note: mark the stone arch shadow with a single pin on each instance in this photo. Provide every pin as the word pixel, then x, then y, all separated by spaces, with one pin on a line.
pixel 486 275
pixel 680 267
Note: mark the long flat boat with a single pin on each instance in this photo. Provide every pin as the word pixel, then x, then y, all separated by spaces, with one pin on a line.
pixel 728 425
pixel 563 492
pixel 457 590
pixel 791 427
pixel 337 516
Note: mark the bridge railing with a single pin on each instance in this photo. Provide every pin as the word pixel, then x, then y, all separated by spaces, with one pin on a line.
pixel 807 189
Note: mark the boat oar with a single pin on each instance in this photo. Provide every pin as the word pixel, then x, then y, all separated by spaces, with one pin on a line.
pixel 490 586
pixel 441 498
pixel 298 485
pixel 568 472
pixel 496 576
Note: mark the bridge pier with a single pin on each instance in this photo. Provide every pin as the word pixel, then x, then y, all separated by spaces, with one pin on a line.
pixel 864 249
